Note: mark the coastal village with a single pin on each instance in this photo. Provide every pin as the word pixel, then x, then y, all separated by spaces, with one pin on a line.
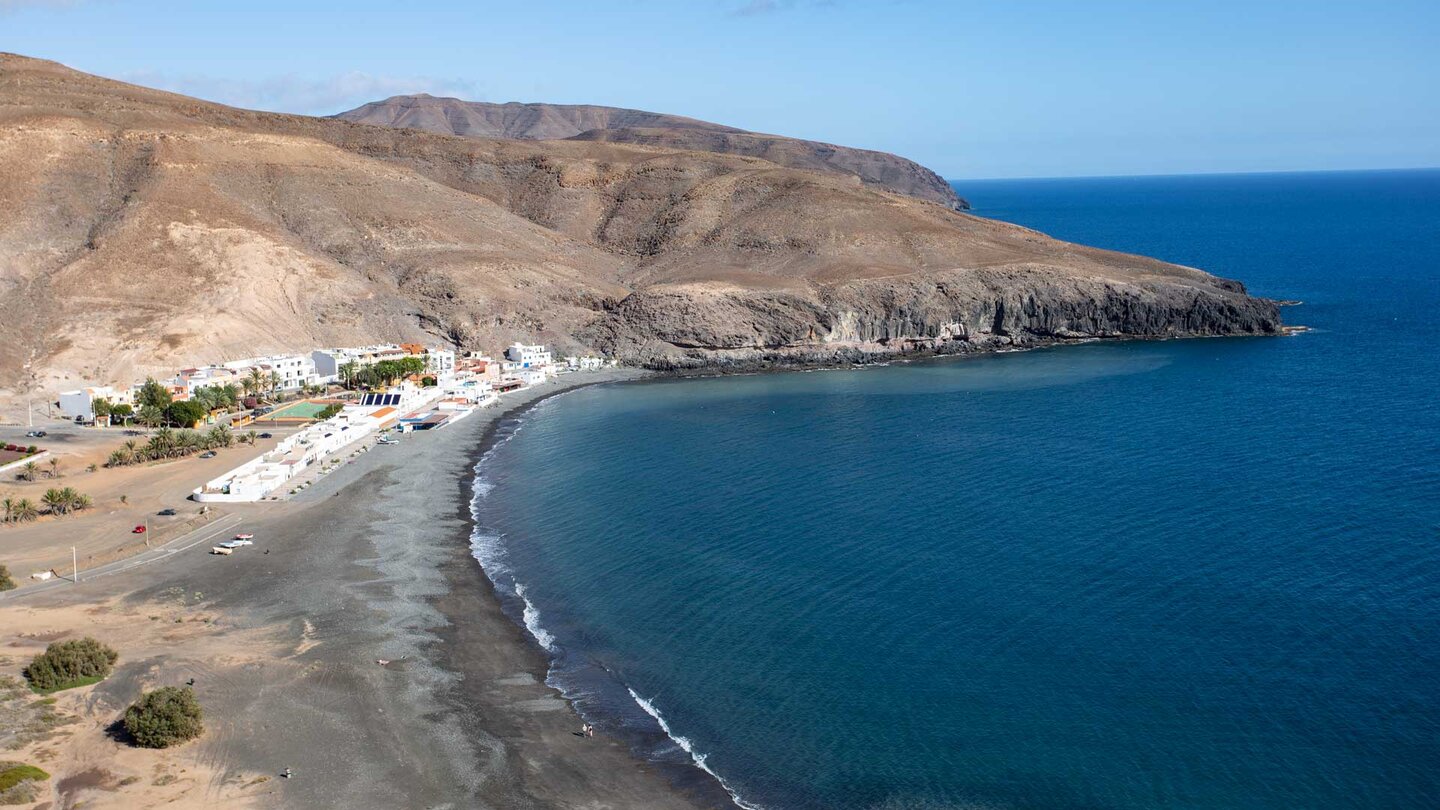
pixel 435 387
pixel 281 421
pixel 260 480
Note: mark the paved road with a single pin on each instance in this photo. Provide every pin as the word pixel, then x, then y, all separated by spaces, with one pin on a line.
pixel 208 533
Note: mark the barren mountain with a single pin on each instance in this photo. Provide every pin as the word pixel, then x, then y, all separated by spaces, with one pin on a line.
pixel 145 231
pixel 544 122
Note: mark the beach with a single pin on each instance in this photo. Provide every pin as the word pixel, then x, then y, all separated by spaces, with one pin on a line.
pixel 357 643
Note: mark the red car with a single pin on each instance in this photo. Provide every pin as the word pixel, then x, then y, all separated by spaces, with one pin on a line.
pixel 138 530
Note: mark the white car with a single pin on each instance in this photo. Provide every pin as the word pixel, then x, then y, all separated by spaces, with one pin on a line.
pixel 384 440
pixel 237 543
pixel 244 537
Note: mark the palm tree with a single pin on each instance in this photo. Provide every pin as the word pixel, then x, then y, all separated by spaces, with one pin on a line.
pixel 9 504
pixel 189 442
pixel 257 380
pixel 75 501
pixel 347 373
pixel 161 444
pixel 130 445
pixel 29 471
pixel 55 467
pixel 220 436
pixel 118 458
pixel 24 511
pixel 251 436
pixel 55 501
pixel 275 381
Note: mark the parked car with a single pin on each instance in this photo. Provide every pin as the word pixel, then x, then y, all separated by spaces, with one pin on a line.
pixel 208 454
pixel 167 512
pixel 237 543
pixel 35 434
pixel 244 536
pixel 265 436
pixel 138 530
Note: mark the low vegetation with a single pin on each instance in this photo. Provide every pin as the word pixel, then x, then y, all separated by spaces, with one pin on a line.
pixel 385 372
pixel 18 782
pixel 19 510
pixel 65 501
pixel 7 582
pixel 24 718
pixel 167 443
pixel 167 716
pixel 68 664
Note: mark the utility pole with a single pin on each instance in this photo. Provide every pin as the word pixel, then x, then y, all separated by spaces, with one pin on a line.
pixel 74 566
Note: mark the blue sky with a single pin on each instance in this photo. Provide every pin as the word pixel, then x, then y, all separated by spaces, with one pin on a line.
pixel 971 89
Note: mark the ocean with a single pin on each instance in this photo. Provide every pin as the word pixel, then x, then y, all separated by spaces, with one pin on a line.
pixel 1188 574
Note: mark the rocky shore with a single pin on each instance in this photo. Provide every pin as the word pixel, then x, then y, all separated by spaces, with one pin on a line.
pixel 719 327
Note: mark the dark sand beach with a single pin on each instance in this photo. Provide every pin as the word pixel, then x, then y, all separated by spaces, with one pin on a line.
pixel 371 564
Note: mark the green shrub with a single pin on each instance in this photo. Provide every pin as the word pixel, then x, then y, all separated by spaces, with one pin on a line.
pixel 67 664
pixel 167 716
pixel 7 582
pixel 17 782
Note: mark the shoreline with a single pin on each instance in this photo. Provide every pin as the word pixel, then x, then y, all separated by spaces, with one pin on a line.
pixel 470 583
pixel 683 769
pixel 357 642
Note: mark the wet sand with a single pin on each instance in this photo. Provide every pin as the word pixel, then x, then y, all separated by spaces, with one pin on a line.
pixel 370 564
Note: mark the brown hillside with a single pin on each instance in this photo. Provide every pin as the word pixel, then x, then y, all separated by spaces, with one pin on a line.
pixel 147 230
pixel 512 121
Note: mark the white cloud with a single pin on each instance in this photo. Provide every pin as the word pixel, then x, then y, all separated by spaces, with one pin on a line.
pixel 294 94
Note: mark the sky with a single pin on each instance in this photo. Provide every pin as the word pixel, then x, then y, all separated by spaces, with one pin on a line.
pixel 1026 88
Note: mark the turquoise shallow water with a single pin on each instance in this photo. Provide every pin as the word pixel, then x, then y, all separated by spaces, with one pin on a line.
pixel 1200 574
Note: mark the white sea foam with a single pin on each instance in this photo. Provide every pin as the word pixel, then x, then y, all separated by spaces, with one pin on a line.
pixel 532 621
pixel 489 550
pixel 688 747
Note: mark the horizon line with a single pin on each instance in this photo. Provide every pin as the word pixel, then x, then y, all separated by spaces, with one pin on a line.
pixel 1189 174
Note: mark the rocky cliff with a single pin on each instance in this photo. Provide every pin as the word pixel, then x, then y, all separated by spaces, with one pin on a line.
pixel 145 231
pixel 513 120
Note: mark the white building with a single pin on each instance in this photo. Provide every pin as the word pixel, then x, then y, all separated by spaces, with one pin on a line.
pixel 328 361
pixel 260 477
pixel 81 402
pixel 586 363
pixel 474 391
pixel 442 364
pixel 183 385
pixel 531 376
pixel 294 370
pixel 528 356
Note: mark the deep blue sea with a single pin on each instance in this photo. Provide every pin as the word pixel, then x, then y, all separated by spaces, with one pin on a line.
pixel 1185 574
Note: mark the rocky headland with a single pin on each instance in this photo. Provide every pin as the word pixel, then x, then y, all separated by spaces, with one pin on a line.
pixel 146 231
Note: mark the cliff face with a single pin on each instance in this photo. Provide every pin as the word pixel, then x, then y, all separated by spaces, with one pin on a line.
pixel 146 231
pixel 701 325
pixel 477 119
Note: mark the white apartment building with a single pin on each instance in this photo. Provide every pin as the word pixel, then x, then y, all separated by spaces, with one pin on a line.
pixel 295 370
pixel 528 356
pixel 183 385
pixel 442 364
pixel 81 402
